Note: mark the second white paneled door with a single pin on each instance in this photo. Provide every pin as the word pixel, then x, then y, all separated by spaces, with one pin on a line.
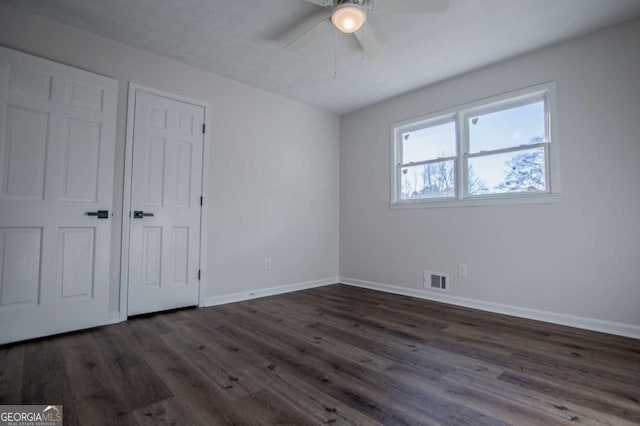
pixel 166 186
pixel 57 136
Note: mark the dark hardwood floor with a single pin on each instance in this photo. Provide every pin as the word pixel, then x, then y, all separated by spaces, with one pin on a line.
pixel 332 355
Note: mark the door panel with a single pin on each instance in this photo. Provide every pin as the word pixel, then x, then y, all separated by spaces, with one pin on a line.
pixel 182 166
pixel 84 96
pixel 20 257
pixel 23 81
pixel 166 182
pixel 25 148
pixel 152 254
pixel 153 173
pixel 81 161
pixel 180 249
pixel 75 261
pixel 57 134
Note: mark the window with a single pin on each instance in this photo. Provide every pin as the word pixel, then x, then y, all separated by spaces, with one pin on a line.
pixel 495 149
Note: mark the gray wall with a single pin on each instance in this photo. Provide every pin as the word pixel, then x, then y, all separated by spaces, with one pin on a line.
pixel 273 182
pixel 580 256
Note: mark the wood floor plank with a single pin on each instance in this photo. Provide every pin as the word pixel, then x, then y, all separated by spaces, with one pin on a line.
pixel 265 408
pixel 588 397
pixel 98 398
pixel 540 401
pixel 129 370
pixel 583 358
pixel 491 405
pixel 12 362
pixel 293 325
pixel 335 355
pixel 169 412
pixel 408 353
pixel 578 374
pixel 318 405
pixel 346 371
pixel 327 378
pixel 200 395
pixel 233 378
pixel 45 379
pixel 418 340
pixel 350 330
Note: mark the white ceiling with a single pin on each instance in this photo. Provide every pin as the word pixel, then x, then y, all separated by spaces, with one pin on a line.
pixel 239 39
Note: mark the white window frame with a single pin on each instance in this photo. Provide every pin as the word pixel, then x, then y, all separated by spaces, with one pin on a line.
pixel 460 115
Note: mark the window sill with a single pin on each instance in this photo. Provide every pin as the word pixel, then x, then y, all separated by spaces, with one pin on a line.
pixel 478 202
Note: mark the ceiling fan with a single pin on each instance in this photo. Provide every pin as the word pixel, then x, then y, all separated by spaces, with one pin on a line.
pixel 350 17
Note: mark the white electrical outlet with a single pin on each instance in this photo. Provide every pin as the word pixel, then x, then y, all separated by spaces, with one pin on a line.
pixel 267 264
pixel 462 270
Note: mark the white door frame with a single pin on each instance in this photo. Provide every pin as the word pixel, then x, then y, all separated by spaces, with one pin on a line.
pixel 126 202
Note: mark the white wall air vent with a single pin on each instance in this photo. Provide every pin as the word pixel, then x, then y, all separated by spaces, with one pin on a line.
pixel 438 281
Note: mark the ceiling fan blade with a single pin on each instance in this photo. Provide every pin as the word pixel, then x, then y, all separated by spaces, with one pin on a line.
pixel 321 2
pixel 290 36
pixel 369 42
pixel 410 6
pixel 305 36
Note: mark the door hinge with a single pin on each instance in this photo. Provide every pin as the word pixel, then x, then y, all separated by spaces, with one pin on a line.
pixel 198 274
pixel 203 127
pixel 201 201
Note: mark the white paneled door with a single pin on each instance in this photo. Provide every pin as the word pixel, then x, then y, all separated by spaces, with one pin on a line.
pixel 166 186
pixel 57 134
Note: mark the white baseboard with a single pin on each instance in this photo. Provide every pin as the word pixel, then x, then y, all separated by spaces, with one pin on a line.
pixel 620 329
pixel 272 291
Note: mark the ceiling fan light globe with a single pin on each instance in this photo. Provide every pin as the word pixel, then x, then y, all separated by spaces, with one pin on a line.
pixel 349 23
pixel 349 18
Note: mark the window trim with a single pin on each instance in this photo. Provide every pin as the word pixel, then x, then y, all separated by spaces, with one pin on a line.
pixel 460 115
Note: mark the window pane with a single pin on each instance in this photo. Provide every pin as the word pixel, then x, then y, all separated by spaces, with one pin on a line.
pixel 508 128
pixel 429 143
pixel 433 180
pixel 520 171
